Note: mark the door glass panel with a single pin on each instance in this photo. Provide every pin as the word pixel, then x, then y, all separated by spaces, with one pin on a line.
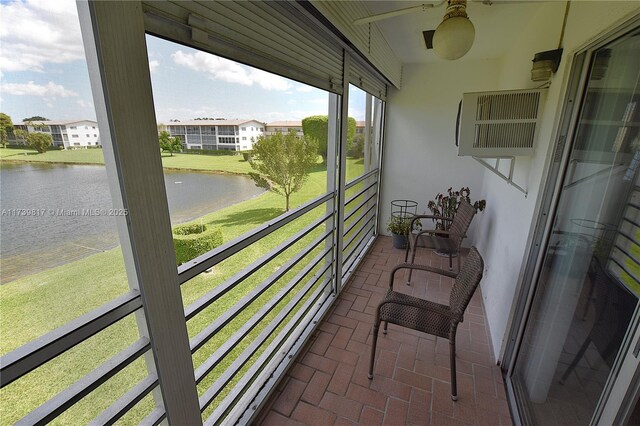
pixel 589 281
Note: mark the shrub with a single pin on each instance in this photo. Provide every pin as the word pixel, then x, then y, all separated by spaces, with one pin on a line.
pixel 190 241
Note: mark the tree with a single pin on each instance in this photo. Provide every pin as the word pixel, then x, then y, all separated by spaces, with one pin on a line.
pixel 167 143
pixel 317 127
pixel 6 128
pixel 35 118
pixel 283 162
pixel 21 135
pixel 356 150
pixel 39 141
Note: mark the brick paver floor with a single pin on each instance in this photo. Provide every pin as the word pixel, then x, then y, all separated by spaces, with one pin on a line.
pixel 328 383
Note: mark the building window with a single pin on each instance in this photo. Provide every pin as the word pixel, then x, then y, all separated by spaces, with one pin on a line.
pixel 72 127
pixel 244 138
pixel 244 129
pixel 226 140
pixel 74 136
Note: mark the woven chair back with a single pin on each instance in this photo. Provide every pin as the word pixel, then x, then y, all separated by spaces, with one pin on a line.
pixel 466 282
pixel 461 221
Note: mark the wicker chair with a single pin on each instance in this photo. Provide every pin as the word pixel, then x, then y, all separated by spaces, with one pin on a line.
pixel 435 239
pixel 430 317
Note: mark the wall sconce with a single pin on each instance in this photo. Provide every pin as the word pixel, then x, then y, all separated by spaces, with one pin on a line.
pixel 545 64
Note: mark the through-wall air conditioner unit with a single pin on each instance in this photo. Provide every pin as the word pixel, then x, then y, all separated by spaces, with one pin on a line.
pixel 500 124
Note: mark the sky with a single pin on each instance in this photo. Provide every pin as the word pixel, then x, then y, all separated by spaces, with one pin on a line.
pixel 43 72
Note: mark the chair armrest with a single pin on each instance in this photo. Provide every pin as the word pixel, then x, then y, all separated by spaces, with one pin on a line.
pixel 439 309
pixel 415 266
pixel 429 216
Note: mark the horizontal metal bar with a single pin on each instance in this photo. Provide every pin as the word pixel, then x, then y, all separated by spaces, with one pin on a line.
pixel 628 237
pixel 625 270
pixel 238 363
pixel 205 335
pixel 154 418
pixel 353 265
pixel 627 254
pixel 220 290
pixel 362 204
pixel 357 232
pixel 353 249
pixel 360 179
pixel 74 393
pixel 211 362
pixel 271 374
pixel 634 205
pixel 205 261
pixel 359 193
pixel 634 223
pixel 359 218
pixel 126 402
pixel 22 360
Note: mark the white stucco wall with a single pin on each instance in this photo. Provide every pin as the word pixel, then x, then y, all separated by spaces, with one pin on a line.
pixel 504 228
pixel 420 157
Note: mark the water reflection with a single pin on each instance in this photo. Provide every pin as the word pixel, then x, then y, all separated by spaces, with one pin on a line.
pixel 60 201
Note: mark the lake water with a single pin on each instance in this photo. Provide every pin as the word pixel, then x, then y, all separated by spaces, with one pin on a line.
pixel 30 244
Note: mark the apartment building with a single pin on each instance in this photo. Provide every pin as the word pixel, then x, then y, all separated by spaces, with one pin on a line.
pixel 283 127
pixel 232 135
pixel 286 126
pixel 69 134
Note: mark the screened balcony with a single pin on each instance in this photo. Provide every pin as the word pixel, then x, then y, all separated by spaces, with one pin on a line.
pixel 273 326
pixel 328 383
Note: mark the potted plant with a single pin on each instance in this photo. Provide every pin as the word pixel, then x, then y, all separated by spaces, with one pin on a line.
pixel 447 205
pixel 399 228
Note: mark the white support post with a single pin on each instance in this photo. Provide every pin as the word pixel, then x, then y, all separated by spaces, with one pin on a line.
pixel 367 134
pixel 333 142
pixel 342 169
pixel 114 40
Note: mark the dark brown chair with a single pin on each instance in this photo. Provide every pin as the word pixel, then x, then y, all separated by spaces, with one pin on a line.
pixel 430 317
pixel 447 242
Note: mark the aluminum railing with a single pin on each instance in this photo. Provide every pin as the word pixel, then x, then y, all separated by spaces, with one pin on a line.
pixel 280 324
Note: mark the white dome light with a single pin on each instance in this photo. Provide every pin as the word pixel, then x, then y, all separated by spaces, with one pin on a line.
pixel 454 36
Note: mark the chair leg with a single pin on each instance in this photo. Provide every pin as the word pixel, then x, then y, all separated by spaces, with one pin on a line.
pixel 413 260
pixel 576 360
pixel 451 261
pixel 376 326
pixel 452 356
pixel 384 328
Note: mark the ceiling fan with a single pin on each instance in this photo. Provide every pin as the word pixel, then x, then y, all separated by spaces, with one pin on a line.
pixel 452 39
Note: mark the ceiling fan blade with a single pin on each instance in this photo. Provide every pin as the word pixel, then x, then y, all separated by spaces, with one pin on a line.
pixel 386 15
pixel 428 38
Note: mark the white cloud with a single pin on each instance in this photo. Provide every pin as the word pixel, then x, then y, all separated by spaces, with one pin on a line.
pixel 49 90
pixel 35 33
pixel 304 89
pixel 84 104
pixel 229 71
pixel 153 65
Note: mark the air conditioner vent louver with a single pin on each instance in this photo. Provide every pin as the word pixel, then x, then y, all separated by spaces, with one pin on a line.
pixel 499 124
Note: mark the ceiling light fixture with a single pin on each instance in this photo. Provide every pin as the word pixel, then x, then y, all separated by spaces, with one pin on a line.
pixel 454 36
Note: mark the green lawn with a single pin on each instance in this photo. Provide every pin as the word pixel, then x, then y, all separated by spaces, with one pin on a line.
pixel 34 305
pixel 227 164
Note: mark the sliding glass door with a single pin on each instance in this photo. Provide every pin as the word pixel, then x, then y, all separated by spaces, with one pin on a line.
pixel 589 282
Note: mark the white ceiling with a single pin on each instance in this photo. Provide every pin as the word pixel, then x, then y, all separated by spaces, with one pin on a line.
pixel 495 27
